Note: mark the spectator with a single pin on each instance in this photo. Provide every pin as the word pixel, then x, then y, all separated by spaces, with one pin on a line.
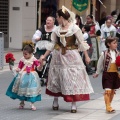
pixel 114 15
pixel 42 37
pixel 87 38
pixel 79 21
pixel 107 31
pixel 94 27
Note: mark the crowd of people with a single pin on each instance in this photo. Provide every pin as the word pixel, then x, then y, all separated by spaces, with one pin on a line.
pixel 71 46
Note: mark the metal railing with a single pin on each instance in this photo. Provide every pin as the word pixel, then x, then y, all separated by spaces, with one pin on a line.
pixel 1 50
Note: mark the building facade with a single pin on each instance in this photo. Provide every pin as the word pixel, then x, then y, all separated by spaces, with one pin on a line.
pixel 20 18
pixel 22 21
pixel 17 21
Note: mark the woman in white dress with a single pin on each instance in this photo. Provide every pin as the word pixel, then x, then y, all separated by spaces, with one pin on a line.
pixel 67 74
pixel 107 30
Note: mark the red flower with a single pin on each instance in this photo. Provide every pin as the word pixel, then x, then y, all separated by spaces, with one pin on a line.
pixel 118 61
pixel 9 58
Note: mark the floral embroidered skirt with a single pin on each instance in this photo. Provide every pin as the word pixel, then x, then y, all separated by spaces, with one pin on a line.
pixel 68 78
pixel 25 87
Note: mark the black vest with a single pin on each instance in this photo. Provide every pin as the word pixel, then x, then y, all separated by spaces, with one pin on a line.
pixel 45 35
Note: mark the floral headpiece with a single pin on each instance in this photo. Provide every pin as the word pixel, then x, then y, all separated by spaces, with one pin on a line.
pixel 31 45
pixel 72 15
pixel 64 9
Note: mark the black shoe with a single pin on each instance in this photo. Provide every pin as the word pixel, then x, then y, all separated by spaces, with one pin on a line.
pixel 42 82
pixel 73 110
pixel 55 108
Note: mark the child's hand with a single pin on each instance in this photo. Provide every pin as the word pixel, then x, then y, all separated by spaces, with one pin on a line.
pixel 40 67
pixel 11 67
pixel 95 75
pixel 42 58
pixel 17 70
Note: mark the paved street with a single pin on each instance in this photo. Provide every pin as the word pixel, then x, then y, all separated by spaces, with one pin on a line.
pixel 89 110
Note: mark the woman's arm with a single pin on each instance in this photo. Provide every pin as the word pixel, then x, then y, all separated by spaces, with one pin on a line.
pixel 43 57
pixel 36 36
pixel 87 58
pixel 82 45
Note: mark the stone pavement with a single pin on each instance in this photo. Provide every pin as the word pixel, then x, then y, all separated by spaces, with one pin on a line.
pixel 91 110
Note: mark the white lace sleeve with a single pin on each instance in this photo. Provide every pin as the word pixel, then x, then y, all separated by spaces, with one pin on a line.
pixel 82 44
pixel 36 35
pixel 85 36
pixel 52 43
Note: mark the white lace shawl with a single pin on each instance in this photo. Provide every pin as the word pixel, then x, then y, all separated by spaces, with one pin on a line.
pixel 28 62
pixel 73 29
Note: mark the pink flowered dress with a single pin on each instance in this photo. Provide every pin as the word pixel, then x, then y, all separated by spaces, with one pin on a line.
pixel 26 84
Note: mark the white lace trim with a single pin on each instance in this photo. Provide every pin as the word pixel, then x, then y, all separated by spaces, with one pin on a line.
pixel 42 45
pixel 83 46
pixel 67 74
pixel 69 81
pixel 71 30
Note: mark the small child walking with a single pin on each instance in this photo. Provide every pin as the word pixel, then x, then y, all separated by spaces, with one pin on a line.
pixel 110 77
pixel 26 84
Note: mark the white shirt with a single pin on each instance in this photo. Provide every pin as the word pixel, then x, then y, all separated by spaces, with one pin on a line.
pixel 108 30
pixel 100 63
pixel 85 35
pixel 38 34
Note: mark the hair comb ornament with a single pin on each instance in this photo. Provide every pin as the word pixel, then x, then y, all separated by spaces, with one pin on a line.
pixel 63 9
pixel 31 45
pixel 72 15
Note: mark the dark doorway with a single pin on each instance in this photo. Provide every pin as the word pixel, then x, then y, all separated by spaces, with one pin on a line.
pixel 97 13
pixel 48 8
pixel 4 20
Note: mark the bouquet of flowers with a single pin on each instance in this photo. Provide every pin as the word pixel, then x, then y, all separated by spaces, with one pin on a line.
pixel 118 64
pixel 10 59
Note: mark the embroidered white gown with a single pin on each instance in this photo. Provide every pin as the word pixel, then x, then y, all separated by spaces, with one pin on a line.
pixel 67 74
